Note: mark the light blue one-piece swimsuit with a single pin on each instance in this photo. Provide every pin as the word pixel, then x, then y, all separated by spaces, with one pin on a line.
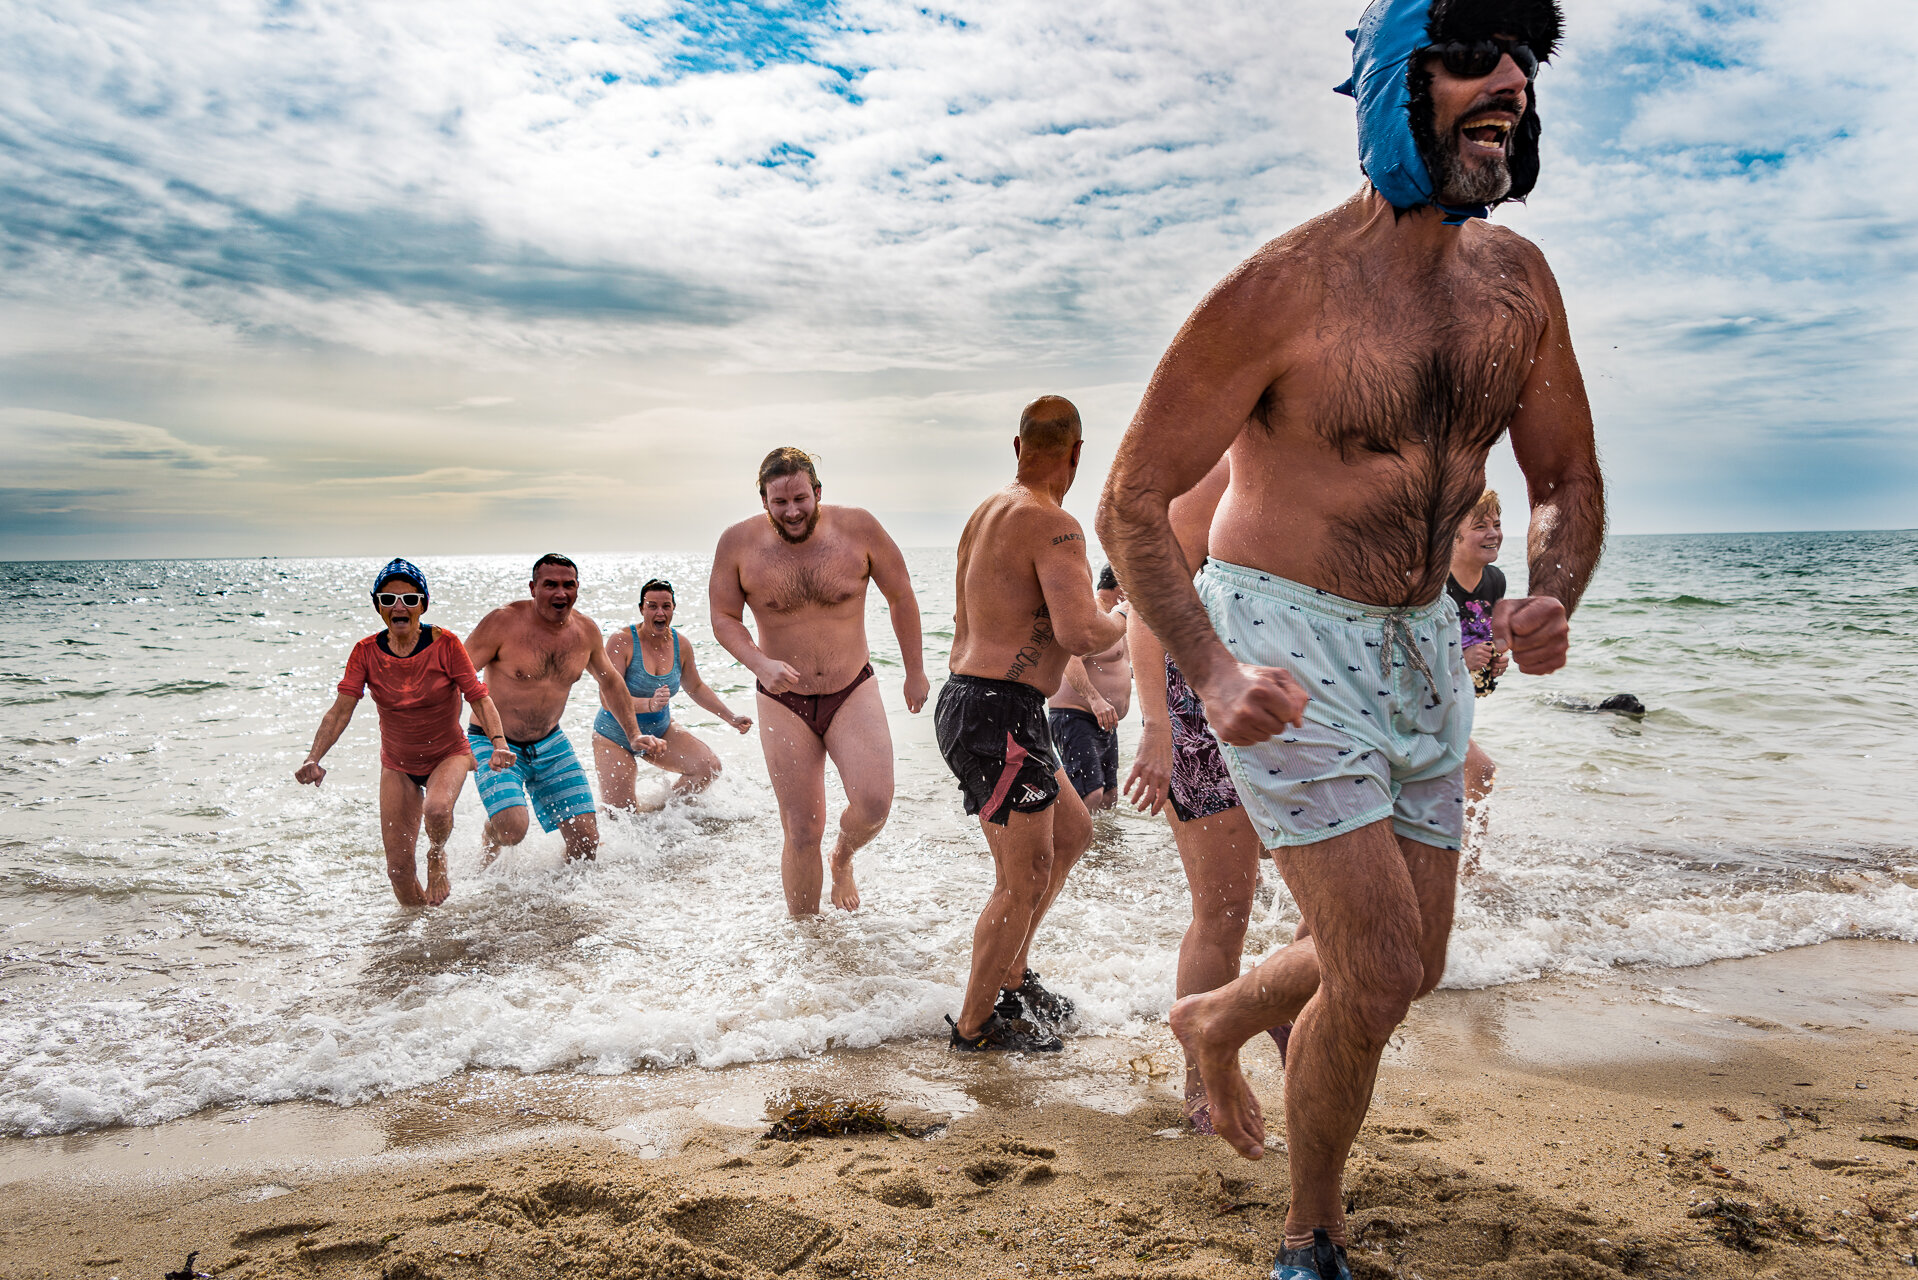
pixel 642 683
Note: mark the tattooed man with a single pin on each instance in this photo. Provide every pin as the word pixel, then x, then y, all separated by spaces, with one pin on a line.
pixel 1359 369
pixel 1024 604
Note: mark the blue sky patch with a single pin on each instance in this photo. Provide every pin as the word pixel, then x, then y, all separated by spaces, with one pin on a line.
pixel 727 35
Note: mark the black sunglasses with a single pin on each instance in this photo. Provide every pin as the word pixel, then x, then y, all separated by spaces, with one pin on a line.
pixel 657 584
pixel 387 599
pixel 1475 59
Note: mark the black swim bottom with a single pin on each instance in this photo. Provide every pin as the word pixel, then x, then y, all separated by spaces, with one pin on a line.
pixel 1090 754
pixel 994 737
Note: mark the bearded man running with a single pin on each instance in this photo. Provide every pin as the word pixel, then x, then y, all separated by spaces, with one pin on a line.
pixel 1359 369
pixel 803 570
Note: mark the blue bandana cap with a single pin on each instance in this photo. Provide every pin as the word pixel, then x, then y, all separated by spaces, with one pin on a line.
pixel 398 568
pixel 1383 44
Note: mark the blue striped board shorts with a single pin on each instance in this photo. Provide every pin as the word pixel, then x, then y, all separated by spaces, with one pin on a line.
pixel 1386 729
pixel 545 774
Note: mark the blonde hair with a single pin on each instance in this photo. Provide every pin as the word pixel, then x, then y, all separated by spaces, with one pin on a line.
pixel 786 461
pixel 1487 505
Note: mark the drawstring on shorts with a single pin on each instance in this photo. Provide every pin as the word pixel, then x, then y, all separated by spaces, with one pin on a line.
pixel 1398 635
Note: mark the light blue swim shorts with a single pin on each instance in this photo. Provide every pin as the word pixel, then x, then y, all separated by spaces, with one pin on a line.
pixel 547 771
pixel 1386 730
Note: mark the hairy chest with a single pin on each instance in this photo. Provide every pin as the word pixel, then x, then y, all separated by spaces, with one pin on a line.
pixel 537 662
pixel 1417 366
pixel 792 580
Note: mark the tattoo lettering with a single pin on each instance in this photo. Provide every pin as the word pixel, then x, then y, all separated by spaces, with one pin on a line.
pixel 1036 644
pixel 1064 538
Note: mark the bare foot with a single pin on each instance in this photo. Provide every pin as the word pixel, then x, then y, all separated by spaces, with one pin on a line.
pixel 845 894
pixel 439 885
pixel 1235 1112
pixel 406 887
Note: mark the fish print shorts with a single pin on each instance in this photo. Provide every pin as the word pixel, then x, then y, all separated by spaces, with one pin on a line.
pixel 1386 729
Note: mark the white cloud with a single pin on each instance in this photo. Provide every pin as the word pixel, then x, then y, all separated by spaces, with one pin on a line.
pixel 39 441
pixel 901 212
pixel 435 478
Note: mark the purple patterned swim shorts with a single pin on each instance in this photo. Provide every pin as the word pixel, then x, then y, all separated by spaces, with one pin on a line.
pixel 1201 786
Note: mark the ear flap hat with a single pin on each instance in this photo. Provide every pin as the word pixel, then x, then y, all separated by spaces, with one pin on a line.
pixel 1390 87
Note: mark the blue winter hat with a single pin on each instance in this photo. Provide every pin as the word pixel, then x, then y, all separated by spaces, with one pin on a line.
pixel 1389 36
pixel 398 568
pixel 1382 47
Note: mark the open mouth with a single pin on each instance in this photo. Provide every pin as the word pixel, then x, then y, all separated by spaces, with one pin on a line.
pixel 1487 133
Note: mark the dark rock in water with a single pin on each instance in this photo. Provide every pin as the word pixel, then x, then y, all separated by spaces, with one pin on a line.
pixel 1624 704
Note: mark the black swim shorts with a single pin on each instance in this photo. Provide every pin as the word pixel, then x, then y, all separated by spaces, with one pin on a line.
pixel 994 737
pixel 1090 754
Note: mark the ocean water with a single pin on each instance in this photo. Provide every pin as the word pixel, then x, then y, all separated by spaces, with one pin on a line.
pixel 184 927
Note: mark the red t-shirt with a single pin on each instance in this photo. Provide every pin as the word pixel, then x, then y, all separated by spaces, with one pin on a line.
pixel 418 697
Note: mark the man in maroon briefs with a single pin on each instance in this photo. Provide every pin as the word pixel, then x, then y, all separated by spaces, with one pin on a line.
pixel 803 568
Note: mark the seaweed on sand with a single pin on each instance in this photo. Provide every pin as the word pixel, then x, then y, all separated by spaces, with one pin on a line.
pixel 809 1115
pixel 1734 1221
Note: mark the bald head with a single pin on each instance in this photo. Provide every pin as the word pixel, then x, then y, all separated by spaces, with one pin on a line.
pixel 1048 427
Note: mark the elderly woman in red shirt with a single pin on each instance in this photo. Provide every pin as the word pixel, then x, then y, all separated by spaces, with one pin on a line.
pixel 418 675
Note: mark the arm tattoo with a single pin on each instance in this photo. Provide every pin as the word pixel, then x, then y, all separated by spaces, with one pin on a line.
pixel 1064 538
pixel 1036 644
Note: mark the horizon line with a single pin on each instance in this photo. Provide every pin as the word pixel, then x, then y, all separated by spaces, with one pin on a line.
pixel 678 551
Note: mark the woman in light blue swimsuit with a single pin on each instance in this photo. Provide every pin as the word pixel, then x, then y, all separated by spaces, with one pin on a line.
pixel 657 662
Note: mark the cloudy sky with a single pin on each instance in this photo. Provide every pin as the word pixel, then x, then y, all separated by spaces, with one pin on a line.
pixel 355 278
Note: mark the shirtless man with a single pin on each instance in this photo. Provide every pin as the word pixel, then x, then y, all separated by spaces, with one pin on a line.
pixel 1024 604
pixel 1094 696
pixel 803 568
pixel 1359 369
pixel 532 653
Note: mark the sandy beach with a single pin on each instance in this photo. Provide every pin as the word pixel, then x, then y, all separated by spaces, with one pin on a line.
pixel 1711 1122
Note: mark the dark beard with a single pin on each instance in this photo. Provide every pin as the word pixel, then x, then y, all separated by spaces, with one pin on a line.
pixel 1452 181
pixel 812 522
pixel 1460 184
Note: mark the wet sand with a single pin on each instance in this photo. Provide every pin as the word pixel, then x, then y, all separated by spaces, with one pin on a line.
pixel 1705 1122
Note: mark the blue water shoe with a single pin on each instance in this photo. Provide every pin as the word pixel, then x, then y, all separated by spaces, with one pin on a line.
pixel 1320 1260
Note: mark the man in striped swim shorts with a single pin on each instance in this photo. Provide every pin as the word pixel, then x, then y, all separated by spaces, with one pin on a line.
pixel 534 651
pixel 1358 371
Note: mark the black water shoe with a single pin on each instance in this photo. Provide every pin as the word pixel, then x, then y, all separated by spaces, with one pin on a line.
pixel 1320 1260
pixel 1005 1035
pixel 1047 1008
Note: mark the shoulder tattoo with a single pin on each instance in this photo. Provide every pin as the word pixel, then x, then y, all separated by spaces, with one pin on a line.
pixel 1064 538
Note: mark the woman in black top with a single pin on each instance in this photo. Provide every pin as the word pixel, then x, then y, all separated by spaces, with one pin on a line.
pixel 1475 586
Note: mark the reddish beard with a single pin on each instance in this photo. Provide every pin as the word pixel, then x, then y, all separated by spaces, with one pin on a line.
pixel 786 535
